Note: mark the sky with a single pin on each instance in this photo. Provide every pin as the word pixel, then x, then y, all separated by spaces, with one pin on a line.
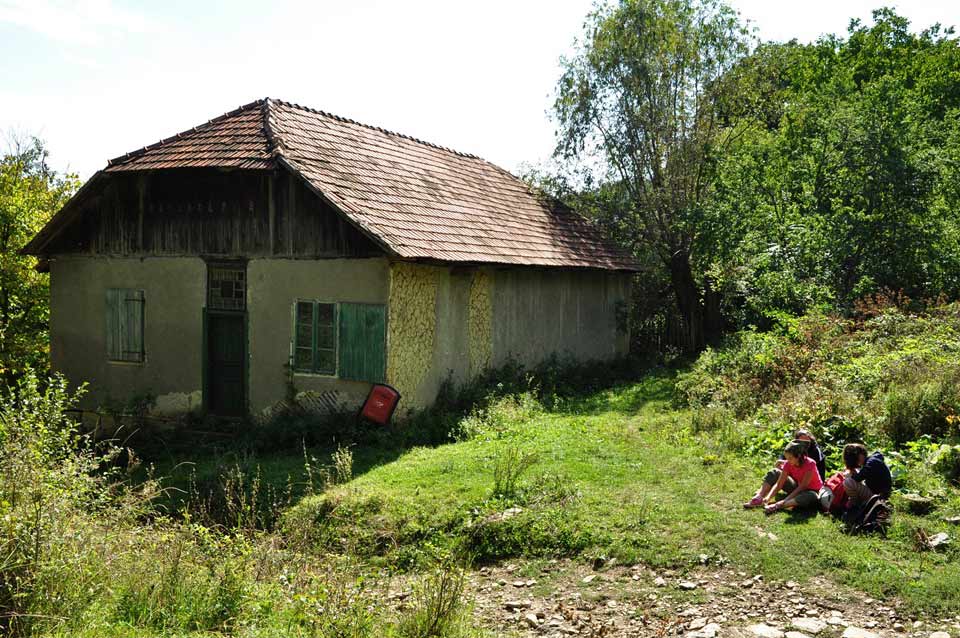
pixel 98 78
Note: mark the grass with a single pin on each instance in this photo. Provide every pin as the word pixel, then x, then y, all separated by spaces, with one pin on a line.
pixel 618 474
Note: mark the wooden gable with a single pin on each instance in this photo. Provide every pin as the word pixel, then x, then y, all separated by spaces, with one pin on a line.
pixel 209 212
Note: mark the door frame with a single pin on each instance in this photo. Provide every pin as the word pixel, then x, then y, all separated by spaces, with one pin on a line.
pixel 205 345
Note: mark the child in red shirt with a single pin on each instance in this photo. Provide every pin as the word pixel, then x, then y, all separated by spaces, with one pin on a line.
pixel 800 477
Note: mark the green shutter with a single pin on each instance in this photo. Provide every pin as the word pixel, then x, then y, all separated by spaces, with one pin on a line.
pixel 124 313
pixel 132 333
pixel 363 336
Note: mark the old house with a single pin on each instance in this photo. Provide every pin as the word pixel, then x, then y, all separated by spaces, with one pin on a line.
pixel 280 250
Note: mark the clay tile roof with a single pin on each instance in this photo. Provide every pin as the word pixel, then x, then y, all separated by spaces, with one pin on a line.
pixel 419 200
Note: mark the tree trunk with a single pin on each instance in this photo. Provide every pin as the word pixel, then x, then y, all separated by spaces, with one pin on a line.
pixel 688 297
pixel 700 309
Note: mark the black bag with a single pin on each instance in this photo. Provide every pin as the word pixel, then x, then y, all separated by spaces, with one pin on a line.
pixel 872 516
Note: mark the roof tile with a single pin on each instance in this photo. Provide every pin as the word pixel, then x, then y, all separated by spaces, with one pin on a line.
pixel 419 199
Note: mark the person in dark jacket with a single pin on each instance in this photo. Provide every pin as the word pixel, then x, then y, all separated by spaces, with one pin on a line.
pixel 866 475
pixel 811 451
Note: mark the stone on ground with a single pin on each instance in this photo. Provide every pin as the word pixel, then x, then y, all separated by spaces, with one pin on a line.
pixel 765 631
pixel 811 626
pixel 856 632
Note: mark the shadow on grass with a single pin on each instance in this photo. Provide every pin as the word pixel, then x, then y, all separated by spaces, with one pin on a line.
pixel 657 386
pixel 796 517
pixel 284 455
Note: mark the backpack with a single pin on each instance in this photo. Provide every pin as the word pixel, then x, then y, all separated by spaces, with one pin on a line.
pixel 872 516
pixel 833 496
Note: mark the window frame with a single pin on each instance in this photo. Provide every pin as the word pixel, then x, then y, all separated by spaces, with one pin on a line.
pixel 314 338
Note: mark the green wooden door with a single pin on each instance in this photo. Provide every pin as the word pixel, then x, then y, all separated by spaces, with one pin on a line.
pixel 363 336
pixel 226 352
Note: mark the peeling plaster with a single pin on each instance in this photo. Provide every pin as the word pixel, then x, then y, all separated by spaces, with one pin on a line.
pixel 178 403
pixel 481 322
pixel 411 332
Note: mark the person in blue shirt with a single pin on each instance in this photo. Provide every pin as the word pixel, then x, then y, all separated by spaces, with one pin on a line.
pixel 866 475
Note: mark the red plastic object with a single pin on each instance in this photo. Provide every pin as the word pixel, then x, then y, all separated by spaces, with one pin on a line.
pixel 380 404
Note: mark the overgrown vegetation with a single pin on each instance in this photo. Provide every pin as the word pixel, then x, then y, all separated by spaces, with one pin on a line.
pixel 85 551
pixel 887 376
pixel 769 188
pixel 605 473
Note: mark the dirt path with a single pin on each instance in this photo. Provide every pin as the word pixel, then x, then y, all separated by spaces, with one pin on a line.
pixel 555 599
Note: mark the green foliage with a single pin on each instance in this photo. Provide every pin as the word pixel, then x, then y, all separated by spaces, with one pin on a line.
pixel 843 184
pixel 888 378
pixel 30 193
pixel 639 124
pixel 51 479
pixel 824 172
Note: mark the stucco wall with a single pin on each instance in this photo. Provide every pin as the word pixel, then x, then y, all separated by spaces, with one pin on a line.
pixel 442 323
pixel 540 312
pixel 453 323
pixel 272 287
pixel 173 328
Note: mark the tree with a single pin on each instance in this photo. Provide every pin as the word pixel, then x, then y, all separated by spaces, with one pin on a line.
pixel 846 185
pixel 30 192
pixel 638 106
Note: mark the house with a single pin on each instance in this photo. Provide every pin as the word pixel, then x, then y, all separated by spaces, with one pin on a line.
pixel 278 250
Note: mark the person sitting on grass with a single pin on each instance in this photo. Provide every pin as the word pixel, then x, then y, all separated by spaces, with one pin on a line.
pixel 811 451
pixel 799 478
pixel 866 475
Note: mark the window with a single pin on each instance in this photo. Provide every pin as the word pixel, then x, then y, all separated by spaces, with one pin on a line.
pixel 125 325
pixel 315 338
pixel 346 339
pixel 226 287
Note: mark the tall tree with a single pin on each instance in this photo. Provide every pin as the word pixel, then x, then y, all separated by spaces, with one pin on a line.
pixel 30 192
pixel 847 184
pixel 637 105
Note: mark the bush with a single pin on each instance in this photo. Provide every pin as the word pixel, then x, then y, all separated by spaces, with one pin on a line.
pixel 922 408
pixel 946 461
pixel 46 483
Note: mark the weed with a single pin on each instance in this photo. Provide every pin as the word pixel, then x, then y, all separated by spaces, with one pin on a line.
pixel 510 463
pixel 439 609
pixel 342 465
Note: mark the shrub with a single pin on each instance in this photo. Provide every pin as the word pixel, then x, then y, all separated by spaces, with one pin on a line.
pixel 509 465
pixel 923 408
pixel 946 461
pixel 46 483
pixel 500 416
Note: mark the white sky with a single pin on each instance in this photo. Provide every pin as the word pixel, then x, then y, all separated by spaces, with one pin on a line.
pixel 99 78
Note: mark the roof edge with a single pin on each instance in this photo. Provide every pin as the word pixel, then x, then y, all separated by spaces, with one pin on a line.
pixel 140 151
pixel 347 120
pixel 372 234
pixel 60 220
